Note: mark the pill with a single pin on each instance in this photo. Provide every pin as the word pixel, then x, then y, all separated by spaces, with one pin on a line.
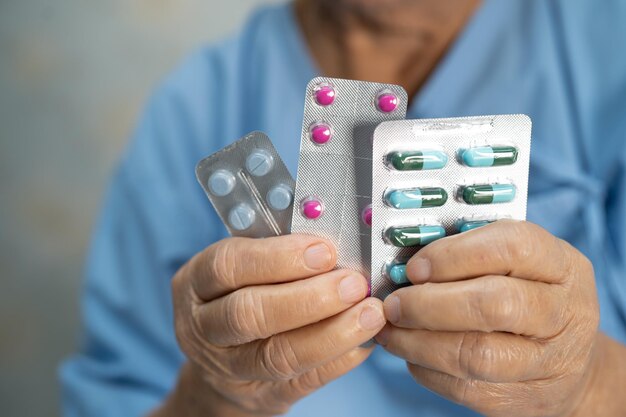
pixel 387 102
pixel 311 208
pixel 415 198
pixel 366 215
pixel 414 235
pixel 320 133
pixel 488 156
pixel 259 162
pixel 279 197
pixel 397 273
pixel 241 217
pixel 488 193
pixel 221 182
pixel 471 225
pixel 417 160
pixel 324 94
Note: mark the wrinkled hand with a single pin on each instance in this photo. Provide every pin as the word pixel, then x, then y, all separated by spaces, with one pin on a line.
pixel 502 319
pixel 266 323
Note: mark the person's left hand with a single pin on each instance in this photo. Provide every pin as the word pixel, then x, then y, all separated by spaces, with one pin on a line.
pixel 502 319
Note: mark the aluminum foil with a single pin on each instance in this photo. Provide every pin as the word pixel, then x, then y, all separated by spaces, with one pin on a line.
pixel 250 187
pixel 338 172
pixel 452 136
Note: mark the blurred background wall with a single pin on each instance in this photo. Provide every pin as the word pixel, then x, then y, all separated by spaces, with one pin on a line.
pixel 73 77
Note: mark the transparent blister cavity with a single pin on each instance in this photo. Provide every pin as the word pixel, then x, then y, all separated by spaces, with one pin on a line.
pixel 413 198
pixel 366 215
pixel 221 183
pixel 312 208
pixel 260 162
pixel 320 133
pixel 394 271
pixel 280 197
pixel 241 217
pixel 335 165
pixel 324 94
pixel 468 223
pixel 486 155
pixel 422 158
pixel 387 101
pixel 480 188
pixel 487 193
pixel 249 187
pixel 413 235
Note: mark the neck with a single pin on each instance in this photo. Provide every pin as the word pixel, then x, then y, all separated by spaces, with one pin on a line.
pixel 390 41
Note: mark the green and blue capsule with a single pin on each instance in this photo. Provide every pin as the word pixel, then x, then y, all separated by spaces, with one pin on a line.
pixel 404 237
pixel 488 193
pixel 418 160
pixel 415 198
pixel 466 226
pixel 489 156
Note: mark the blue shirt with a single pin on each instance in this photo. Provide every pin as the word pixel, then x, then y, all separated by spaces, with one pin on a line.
pixel 561 62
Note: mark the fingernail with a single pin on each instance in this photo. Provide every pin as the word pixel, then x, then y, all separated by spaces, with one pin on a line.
pixel 371 318
pixel 419 270
pixel 392 308
pixel 317 256
pixel 352 289
pixel 382 338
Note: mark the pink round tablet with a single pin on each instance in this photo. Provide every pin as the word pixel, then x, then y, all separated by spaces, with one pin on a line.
pixel 312 208
pixel 366 215
pixel 387 102
pixel 324 95
pixel 321 133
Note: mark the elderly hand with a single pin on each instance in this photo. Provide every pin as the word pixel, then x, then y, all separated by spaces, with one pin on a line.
pixel 265 322
pixel 502 319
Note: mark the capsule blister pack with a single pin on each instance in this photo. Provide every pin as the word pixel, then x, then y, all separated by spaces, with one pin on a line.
pixel 437 177
pixel 250 187
pixel 333 191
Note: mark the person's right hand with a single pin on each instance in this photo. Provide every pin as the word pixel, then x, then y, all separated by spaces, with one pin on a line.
pixel 267 321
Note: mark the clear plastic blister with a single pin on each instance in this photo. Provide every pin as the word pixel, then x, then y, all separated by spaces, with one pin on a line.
pixel 333 192
pixel 437 177
pixel 250 187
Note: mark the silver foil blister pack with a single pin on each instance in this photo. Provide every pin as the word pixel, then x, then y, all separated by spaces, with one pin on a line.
pixel 250 187
pixel 437 177
pixel 333 191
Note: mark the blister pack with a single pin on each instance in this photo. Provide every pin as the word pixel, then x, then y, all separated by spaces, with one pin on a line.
pixel 437 177
pixel 334 183
pixel 250 187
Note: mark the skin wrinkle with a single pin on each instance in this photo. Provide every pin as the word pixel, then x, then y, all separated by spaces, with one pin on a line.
pixel 268 362
pixel 252 318
pixel 289 357
pixel 217 262
pixel 507 249
pixel 464 359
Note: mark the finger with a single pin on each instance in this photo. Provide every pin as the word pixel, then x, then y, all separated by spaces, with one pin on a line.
pixel 486 304
pixel 293 353
pixel 536 398
pixel 316 378
pixel 262 311
pixel 506 247
pixel 492 357
pixel 234 263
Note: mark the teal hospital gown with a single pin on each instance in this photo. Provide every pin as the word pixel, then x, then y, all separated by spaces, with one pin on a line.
pixel 561 62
